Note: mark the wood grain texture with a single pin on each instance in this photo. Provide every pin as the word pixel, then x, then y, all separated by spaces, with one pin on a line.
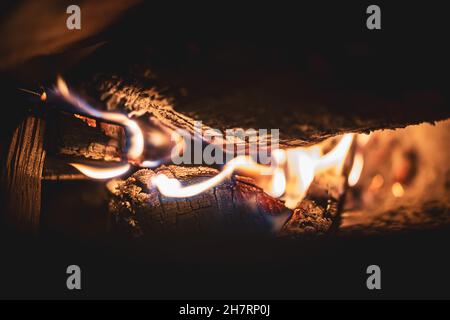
pixel 80 138
pixel 234 204
pixel 22 175
pixel 254 89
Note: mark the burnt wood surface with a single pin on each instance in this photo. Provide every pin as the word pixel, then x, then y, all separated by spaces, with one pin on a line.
pixel 304 112
pixel 77 138
pixel 276 76
pixel 235 205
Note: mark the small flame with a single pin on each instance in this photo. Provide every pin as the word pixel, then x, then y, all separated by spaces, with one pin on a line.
pixel 278 183
pixel 356 170
pixel 171 187
pixel 335 158
pixel 136 137
pixel 62 87
pixel 90 122
pixel 136 147
pixel 101 173
pixel 363 139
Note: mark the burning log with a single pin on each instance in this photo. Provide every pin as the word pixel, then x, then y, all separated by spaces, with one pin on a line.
pixel 139 208
pixel 309 217
pixel 77 137
pixel 319 212
pixel 237 202
pixel 294 171
pixel 308 94
pixel 257 96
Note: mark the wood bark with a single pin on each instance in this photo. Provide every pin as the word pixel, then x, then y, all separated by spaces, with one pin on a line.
pixel 252 89
pixel 76 137
pixel 236 204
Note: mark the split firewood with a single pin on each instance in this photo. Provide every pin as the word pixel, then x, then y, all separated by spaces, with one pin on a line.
pixel 140 91
pixel 318 217
pixel 319 212
pixel 299 126
pixel 236 202
pixel 73 136
pixel 250 89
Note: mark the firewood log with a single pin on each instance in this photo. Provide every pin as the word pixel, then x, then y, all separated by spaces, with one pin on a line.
pixel 236 204
pixel 255 89
pixel 76 138
pixel 309 94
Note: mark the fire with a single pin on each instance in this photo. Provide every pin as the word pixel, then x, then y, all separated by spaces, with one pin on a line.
pixel 356 170
pixel 376 183
pixel 289 177
pixel 397 190
pixel 101 172
pixel 134 132
pixel 90 122
pixel 136 137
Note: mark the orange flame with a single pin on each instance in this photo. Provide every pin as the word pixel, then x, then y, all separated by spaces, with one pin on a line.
pixel 101 172
pixel 356 170
pixel 290 176
pixel 358 161
pixel 136 136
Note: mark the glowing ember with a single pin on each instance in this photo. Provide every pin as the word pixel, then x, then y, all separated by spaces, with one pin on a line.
pixel 397 190
pixel 90 122
pixel 135 135
pixel 376 183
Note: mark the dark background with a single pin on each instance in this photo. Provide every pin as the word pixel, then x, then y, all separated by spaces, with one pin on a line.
pixel 412 266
